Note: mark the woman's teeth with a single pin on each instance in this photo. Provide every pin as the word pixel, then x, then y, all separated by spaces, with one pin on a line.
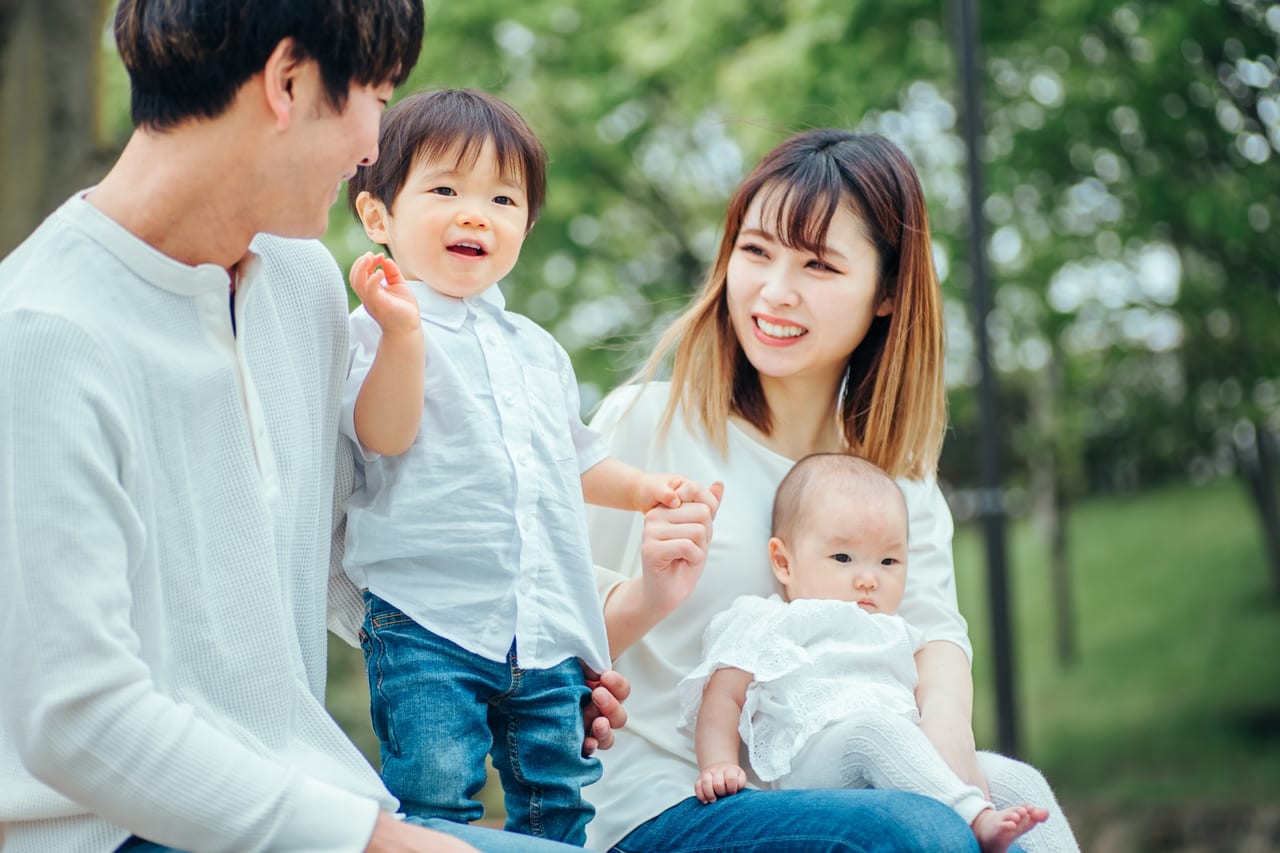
pixel 775 331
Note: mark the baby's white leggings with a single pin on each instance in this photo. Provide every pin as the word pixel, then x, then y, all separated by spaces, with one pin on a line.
pixel 874 749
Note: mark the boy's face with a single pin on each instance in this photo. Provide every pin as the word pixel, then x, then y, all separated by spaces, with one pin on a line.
pixel 847 548
pixel 456 226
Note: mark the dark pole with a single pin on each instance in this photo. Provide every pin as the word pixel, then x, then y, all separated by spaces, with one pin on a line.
pixel 991 503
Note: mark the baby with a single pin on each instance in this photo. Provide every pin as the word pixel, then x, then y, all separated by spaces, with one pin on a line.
pixel 820 684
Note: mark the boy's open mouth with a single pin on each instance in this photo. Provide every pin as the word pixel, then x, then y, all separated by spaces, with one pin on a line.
pixel 471 250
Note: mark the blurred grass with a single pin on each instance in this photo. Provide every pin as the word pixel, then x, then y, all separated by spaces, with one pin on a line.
pixel 1175 693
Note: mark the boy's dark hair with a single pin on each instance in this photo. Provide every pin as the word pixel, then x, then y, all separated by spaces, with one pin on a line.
pixel 459 122
pixel 837 470
pixel 188 58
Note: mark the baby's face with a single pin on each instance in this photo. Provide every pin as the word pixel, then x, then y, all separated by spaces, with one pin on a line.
pixel 847 549
pixel 458 226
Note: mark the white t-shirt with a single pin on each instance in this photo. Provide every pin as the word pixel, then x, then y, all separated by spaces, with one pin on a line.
pixel 166 496
pixel 652 765
pixel 812 662
pixel 478 531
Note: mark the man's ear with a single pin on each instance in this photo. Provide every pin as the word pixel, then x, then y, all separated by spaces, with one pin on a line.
pixel 780 560
pixel 373 216
pixel 280 77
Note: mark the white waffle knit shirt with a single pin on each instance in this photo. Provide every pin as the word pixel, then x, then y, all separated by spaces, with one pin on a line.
pixel 166 493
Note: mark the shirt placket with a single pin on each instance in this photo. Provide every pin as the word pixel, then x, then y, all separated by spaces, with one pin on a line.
pixel 506 379
pixel 216 314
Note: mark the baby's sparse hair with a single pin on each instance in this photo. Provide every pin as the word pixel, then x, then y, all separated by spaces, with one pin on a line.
pixel 452 121
pixel 819 472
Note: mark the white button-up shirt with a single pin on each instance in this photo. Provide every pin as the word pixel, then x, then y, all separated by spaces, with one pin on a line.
pixel 478 531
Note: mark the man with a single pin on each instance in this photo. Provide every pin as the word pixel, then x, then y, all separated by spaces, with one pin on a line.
pixel 170 380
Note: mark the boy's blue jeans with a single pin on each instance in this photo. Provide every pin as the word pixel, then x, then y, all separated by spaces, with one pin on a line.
pixel 437 709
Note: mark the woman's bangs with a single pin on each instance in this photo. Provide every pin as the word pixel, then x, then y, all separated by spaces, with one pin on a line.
pixel 800 210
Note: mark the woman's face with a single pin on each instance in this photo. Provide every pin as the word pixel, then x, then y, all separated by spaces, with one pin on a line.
pixel 798 315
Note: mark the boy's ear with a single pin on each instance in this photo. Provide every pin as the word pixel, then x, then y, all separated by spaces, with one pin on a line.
pixel 373 216
pixel 779 560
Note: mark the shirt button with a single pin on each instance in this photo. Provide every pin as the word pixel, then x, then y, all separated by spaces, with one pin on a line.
pixel 509 398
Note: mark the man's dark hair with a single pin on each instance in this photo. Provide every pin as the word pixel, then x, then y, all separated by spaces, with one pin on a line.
pixel 188 58
pixel 454 122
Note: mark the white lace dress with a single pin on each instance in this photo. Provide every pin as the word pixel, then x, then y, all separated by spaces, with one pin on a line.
pixel 813 662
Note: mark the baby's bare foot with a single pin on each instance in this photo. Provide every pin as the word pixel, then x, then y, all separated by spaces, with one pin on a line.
pixel 997 830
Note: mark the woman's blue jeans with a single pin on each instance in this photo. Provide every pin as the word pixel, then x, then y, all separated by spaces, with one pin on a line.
pixel 438 709
pixel 808 821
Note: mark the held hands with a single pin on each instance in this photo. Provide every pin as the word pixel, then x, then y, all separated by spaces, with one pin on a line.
pixel 381 287
pixel 673 549
pixel 654 490
pixel 719 780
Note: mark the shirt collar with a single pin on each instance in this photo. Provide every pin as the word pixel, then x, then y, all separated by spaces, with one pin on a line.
pixel 144 260
pixel 451 313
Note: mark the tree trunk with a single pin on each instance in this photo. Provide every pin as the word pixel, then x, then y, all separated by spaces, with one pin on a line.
pixel 1050 503
pixel 50 53
pixel 1256 457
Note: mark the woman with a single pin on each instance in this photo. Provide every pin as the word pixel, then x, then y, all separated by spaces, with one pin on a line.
pixel 818 330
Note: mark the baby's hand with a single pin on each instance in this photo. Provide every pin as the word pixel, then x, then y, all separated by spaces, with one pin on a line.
pixel 381 287
pixel 657 490
pixel 719 780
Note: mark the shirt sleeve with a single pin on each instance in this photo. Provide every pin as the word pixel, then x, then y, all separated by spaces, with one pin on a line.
pixel 615 534
pixel 929 602
pixel 365 336
pixel 587 442
pixel 79 703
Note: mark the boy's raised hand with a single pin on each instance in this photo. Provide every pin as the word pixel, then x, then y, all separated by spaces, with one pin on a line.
pixel 381 288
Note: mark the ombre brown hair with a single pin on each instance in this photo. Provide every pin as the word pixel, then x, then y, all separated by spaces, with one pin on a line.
pixel 893 407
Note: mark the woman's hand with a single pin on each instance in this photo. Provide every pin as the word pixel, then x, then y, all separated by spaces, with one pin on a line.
pixel 672 553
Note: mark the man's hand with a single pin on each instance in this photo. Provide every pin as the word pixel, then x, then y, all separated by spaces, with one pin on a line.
pixel 381 288
pixel 604 714
pixel 719 780
pixel 395 836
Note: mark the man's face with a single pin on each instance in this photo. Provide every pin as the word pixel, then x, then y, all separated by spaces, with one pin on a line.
pixel 325 148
